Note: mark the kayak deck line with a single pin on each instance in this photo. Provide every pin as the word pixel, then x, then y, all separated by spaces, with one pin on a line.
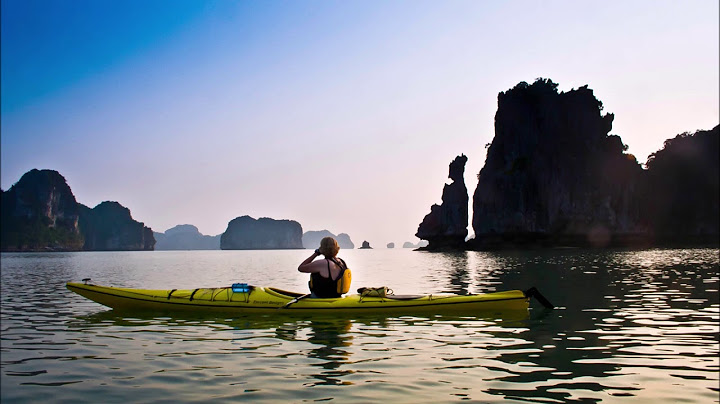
pixel 267 299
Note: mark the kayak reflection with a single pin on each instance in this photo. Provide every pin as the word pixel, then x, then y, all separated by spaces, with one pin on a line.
pixel 331 339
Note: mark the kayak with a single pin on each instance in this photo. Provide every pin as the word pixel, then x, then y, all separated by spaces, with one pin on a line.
pixel 254 299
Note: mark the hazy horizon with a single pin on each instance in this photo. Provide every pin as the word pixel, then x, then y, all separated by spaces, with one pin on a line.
pixel 343 116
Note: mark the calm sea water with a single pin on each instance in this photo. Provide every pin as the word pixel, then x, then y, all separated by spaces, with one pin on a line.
pixel 631 326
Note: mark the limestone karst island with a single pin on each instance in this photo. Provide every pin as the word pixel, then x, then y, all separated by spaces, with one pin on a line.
pixel 554 175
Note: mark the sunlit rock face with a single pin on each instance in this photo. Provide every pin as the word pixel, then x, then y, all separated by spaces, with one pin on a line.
pixel 40 213
pixel 553 174
pixel 247 233
pixel 446 224
pixel 311 239
pixel 682 191
pixel 109 226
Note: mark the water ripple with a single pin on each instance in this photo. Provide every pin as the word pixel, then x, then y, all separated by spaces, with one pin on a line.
pixel 637 326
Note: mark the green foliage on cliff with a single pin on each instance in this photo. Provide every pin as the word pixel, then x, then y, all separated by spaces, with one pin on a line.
pixel 37 235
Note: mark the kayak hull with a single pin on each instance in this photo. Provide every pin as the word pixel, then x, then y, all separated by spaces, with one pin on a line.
pixel 271 300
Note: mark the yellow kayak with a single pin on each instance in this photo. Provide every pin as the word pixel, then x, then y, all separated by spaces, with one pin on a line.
pixel 254 299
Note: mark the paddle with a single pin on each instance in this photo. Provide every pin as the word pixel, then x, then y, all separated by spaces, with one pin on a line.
pixel 295 300
pixel 533 292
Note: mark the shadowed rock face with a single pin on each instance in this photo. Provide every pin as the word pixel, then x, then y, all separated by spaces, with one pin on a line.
pixel 553 172
pixel 682 191
pixel 446 225
pixel 110 227
pixel 40 212
pixel 365 245
pixel 246 233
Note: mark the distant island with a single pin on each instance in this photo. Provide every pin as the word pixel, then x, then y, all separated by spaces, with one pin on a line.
pixel 365 246
pixel 188 237
pixel 247 233
pixel 421 244
pixel 311 239
pixel 40 213
pixel 555 176
pixel 185 237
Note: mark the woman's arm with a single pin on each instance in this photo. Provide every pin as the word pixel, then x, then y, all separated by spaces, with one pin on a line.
pixel 308 266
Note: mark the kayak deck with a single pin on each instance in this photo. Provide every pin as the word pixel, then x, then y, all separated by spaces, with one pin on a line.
pixel 268 300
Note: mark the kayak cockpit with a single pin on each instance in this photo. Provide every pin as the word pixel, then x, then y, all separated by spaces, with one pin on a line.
pixel 282 293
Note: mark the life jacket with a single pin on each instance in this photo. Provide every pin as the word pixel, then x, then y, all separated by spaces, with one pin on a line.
pixel 328 287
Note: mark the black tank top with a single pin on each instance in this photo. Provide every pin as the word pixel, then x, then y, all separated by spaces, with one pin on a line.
pixel 326 287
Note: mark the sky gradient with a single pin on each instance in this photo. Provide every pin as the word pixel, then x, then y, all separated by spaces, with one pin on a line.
pixel 342 115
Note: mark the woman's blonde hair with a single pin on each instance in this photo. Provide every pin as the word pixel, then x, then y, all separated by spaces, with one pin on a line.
pixel 329 247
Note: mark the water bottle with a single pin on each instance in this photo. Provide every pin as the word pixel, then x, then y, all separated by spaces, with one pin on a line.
pixel 240 288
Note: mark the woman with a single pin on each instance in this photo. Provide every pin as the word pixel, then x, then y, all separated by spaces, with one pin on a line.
pixel 329 277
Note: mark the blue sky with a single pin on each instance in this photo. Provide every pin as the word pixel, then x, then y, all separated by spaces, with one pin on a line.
pixel 342 115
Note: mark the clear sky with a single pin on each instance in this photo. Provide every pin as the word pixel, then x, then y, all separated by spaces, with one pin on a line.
pixel 342 115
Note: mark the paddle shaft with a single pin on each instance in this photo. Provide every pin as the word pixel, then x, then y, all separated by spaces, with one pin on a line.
pixel 295 300
pixel 533 292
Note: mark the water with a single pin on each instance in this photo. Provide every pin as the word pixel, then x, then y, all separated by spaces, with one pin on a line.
pixel 631 326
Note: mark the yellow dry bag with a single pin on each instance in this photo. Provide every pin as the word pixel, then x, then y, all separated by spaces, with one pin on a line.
pixel 343 284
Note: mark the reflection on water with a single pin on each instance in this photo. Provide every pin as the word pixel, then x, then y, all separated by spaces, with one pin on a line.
pixel 636 326
pixel 331 339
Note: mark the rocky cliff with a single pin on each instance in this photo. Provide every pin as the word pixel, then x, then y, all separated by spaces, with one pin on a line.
pixel 185 237
pixel 446 225
pixel 109 226
pixel 40 213
pixel 311 239
pixel 681 190
pixel 246 233
pixel 554 174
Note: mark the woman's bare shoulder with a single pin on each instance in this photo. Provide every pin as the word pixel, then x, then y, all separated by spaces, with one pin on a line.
pixel 315 266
